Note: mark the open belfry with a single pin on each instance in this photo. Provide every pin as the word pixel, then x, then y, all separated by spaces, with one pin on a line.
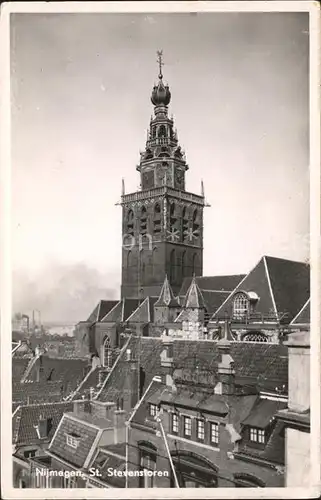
pixel 162 223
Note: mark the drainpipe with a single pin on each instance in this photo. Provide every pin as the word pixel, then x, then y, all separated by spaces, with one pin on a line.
pixel 127 453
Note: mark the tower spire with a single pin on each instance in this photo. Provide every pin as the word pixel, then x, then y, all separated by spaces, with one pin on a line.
pixel 160 63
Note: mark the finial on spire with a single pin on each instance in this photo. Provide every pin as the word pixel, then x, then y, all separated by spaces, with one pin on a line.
pixel 160 63
pixel 122 187
pixel 202 188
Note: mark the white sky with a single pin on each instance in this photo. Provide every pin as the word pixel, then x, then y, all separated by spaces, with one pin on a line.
pixel 81 86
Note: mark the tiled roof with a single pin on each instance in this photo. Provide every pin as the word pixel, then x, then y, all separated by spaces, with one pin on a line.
pixel 263 416
pixel 149 349
pixel 91 381
pixel 19 366
pixel 261 364
pixel 263 413
pixel 36 392
pixel 166 297
pixel 213 300
pixel 69 371
pixel 210 283
pixel 290 283
pixel 303 317
pixel 26 417
pixel 87 433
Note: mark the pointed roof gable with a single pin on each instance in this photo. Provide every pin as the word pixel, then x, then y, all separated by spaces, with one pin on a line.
pixel 256 281
pixel 101 309
pixel 144 313
pixel 166 297
pixel 194 298
pixel 121 311
pixel 290 284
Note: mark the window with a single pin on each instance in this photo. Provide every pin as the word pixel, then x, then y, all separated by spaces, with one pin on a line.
pixel 243 480
pixel 257 435
pixel 107 360
pixel 200 430
pixel 187 426
pixel 29 453
pixel 214 433
pixel 148 466
pixel 255 337
pixel 175 423
pixel 72 440
pixel 153 410
pixel 240 306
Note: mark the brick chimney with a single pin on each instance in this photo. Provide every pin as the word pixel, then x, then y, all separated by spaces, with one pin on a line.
pixel 79 406
pixel 226 373
pixel 167 361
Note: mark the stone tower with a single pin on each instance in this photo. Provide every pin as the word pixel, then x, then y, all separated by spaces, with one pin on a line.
pixel 162 223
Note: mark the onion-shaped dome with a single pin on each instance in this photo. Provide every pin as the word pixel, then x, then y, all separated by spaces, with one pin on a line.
pixel 161 95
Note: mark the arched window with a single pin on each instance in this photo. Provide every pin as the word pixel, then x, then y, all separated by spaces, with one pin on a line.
pixel 185 224
pixel 184 265
pixel 172 270
pixel 162 131
pixel 143 221
pixel 130 222
pixel 172 220
pixel 154 262
pixel 142 266
pixel 129 265
pixel 240 306
pixel 157 219
pixel 196 224
pixel 147 462
pixel 107 353
pixel 255 337
pixel 194 471
pixel 243 480
pixel 195 265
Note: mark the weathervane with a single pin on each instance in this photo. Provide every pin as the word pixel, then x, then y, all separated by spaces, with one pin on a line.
pixel 160 62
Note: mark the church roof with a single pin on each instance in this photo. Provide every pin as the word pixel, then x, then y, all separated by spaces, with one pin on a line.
pixel 121 311
pixel 101 309
pixel 282 287
pixel 303 316
pixel 213 283
pixel 144 313
pixel 166 297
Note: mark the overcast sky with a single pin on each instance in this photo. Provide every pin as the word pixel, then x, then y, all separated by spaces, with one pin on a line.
pixel 81 86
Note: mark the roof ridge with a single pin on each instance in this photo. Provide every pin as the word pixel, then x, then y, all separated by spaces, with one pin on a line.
pixel 287 260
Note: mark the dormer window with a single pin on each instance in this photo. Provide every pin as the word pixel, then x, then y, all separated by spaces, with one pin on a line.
pixel 257 435
pixel 72 440
pixel 240 306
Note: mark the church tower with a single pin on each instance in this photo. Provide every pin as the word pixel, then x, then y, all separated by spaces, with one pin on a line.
pixel 162 224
